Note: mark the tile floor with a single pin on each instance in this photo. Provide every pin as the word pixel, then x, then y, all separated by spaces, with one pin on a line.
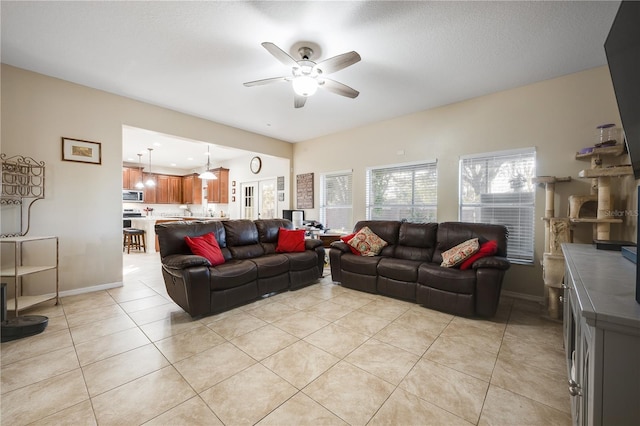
pixel 320 355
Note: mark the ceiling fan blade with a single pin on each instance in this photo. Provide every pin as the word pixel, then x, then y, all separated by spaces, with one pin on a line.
pixel 298 101
pixel 337 63
pixel 280 54
pixel 339 88
pixel 265 81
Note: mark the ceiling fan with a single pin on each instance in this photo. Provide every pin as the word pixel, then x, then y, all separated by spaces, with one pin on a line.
pixel 307 76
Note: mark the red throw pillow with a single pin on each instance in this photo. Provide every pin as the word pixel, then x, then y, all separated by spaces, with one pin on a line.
pixel 290 241
pixel 346 239
pixel 487 249
pixel 207 247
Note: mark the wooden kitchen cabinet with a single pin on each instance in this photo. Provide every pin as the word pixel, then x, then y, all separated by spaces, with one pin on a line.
pixel 191 189
pixel 218 189
pixel 149 191
pixel 175 189
pixel 168 189
pixel 130 176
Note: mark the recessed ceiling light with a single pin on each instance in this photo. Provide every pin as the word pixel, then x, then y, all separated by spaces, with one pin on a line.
pixel 173 164
pixel 129 159
pixel 157 144
pixel 190 158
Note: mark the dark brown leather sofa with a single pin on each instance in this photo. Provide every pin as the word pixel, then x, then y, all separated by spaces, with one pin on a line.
pixel 409 266
pixel 252 267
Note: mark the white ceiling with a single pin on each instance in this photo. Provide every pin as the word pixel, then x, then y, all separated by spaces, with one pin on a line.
pixel 194 56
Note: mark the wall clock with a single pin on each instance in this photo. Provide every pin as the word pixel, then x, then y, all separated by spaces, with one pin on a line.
pixel 256 165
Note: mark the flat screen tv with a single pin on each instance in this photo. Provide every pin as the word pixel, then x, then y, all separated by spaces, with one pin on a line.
pixel 622 48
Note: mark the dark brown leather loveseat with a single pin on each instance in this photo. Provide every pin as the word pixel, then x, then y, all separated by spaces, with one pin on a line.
pixel 252 268
pixel 409 266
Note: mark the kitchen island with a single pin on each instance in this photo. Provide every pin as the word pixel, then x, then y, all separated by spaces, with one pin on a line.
pixel 148 224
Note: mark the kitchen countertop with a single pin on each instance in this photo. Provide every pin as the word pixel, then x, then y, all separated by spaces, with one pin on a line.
pixel 154 218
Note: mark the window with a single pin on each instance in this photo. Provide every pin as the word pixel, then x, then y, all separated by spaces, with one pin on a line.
pixel 335 200
pixel 496 188
pixel 403 192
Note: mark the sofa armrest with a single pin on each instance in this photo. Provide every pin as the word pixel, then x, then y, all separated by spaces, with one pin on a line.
pixel 341 245
pixel 312 244
pixel 494 262
pixel 182 261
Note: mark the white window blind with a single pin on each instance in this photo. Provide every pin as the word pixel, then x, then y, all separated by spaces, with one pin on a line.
pixel 336 205
pixel 403 192
pixel 496 188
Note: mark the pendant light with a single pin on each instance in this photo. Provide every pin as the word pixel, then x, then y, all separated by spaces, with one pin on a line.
pixel 139 184
pixel 208 175
pixel 150 181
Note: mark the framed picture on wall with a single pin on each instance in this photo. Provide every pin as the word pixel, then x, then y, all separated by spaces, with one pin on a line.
pixel 81 151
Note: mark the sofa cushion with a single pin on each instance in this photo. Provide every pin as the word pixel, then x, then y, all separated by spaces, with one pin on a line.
pixel 271 265
pixel 207 247
pixel 447 279
pixel 232 273
pixel 367 242
pixel 302 261
pixel 416 241
pixel 346 239
pixel 458 254
pixel 399 269
pixel 171 235
pixel 386 229
pixel 451 234
pixel 486 249
pixel 364 265
pixel 290 240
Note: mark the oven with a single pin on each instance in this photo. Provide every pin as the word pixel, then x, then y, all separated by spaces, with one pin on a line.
pixel 127 214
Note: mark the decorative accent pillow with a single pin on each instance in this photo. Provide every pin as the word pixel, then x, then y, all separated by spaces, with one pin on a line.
pixel 207 247
pixel 458 254
pixel 346 239
pixel 290 241
pixel 367 242
pixel 486 249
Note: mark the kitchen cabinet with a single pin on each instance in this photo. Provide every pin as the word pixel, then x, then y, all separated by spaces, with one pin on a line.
pixel 218 189
pixel 24 266
pixel 191 189
pixel 130 177
pixel 168 189
pixel 149 191
pixel 601 336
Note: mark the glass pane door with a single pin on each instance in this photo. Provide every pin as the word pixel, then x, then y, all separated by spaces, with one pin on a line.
pixel 249 201
pixel 268 199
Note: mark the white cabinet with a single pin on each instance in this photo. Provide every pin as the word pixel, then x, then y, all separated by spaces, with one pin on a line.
pixel 601 336
pixel 20 267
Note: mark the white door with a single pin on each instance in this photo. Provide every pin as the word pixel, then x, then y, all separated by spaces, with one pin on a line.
pixel 259 200
pixel 268 199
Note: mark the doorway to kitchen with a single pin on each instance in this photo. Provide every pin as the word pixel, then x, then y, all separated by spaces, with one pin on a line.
pixel 259 199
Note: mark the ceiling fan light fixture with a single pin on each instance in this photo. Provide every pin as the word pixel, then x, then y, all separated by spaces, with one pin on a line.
pixel 305 85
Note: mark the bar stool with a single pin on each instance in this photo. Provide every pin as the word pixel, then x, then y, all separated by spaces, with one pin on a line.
pixel 133 238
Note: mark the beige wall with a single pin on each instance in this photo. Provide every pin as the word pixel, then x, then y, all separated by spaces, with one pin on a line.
pixel 83 201
pixel 558 117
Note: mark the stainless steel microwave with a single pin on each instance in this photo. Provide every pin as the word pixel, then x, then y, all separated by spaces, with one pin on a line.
pixel 129 196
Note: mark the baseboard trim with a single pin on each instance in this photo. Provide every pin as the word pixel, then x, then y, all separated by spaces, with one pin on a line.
pixel 523 296
pixel 91 289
